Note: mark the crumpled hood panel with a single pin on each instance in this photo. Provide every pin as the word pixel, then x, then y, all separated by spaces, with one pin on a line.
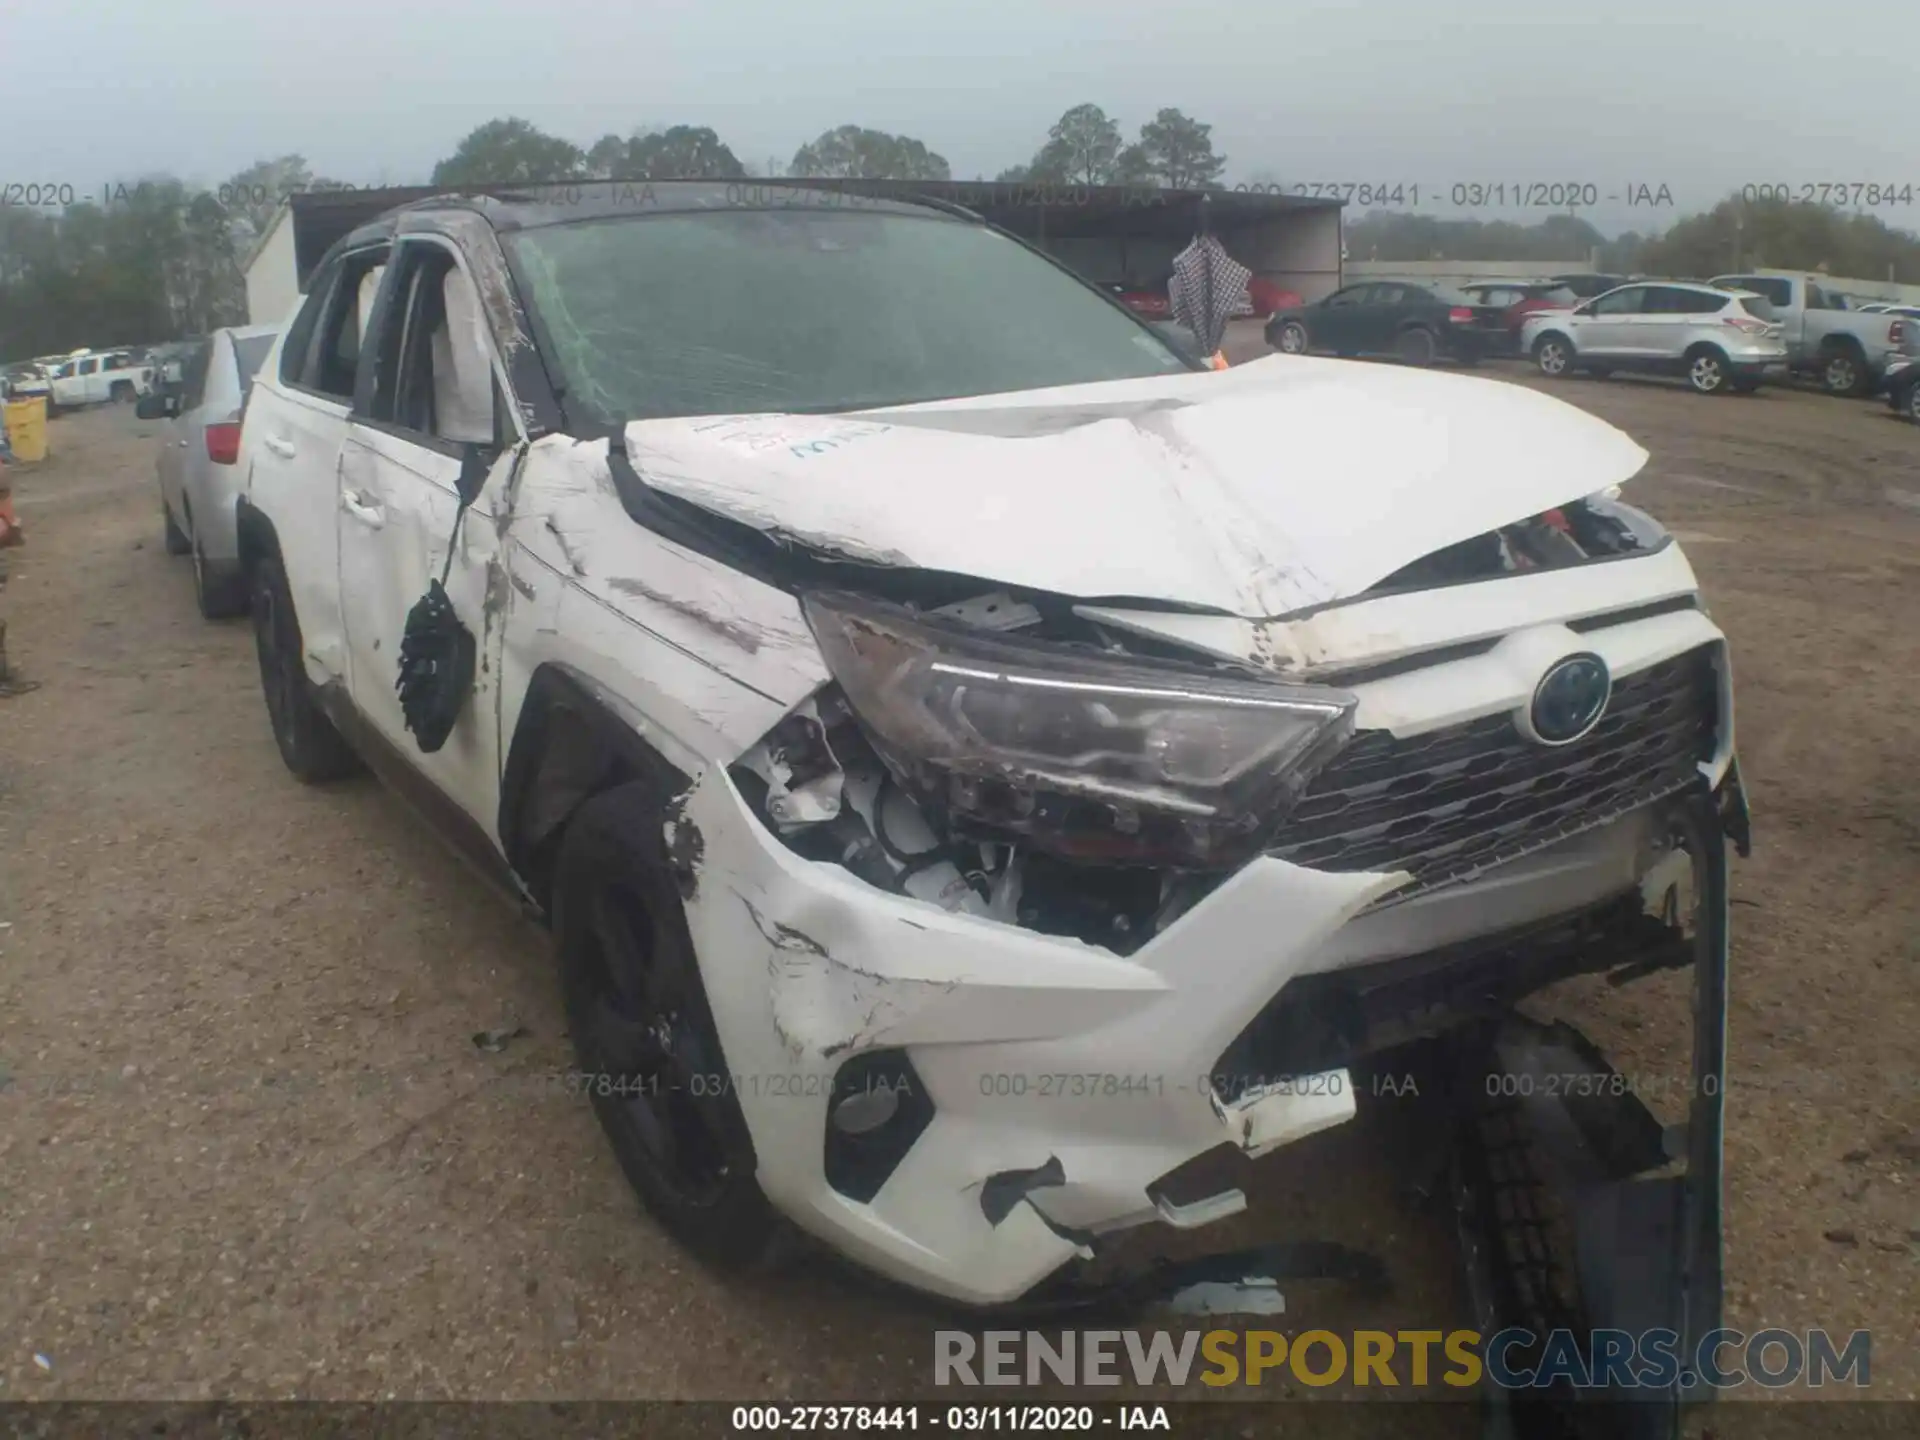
pixel 1257 491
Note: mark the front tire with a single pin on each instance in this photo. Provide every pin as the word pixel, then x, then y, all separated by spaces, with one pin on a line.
pixel 1293 338
pixel 1708 372
pixel 648 1053
pixel 310 746
pixel 121 392
pixel 1554 355
pixel 1912 408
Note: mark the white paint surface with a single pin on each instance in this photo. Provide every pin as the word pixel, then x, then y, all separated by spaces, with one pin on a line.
pixel 1256 491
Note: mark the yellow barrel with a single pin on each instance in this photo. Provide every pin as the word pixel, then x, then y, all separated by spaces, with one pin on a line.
pixel 27 429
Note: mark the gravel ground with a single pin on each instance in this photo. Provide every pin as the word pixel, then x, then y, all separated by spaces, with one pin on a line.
pixel 248 1148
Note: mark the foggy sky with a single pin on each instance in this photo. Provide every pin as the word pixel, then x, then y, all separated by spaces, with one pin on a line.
pixel 1701 95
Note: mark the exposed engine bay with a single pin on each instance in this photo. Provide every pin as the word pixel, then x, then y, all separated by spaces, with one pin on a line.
pixel 1590 529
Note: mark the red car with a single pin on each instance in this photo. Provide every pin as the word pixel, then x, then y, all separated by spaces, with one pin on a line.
pixel 1267 297
pixel 1515 300
pixel 1262 299
pixel 1149 304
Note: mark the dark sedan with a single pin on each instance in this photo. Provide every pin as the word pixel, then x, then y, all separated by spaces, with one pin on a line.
pixel 1414 322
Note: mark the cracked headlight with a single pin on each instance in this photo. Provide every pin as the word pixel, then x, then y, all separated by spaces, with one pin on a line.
pixel 1089 756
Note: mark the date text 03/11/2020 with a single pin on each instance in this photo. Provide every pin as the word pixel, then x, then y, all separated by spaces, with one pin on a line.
pixel 964 1419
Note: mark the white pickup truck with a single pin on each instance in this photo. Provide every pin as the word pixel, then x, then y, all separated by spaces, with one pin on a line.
pixel 91 379
pixel 1846 350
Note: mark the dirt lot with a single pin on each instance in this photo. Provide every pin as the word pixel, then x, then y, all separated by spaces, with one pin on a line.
pixel 248 1147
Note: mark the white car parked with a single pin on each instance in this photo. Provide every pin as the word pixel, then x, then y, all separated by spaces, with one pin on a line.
pixel 24 382
pixel 971 769
pixel 1717 340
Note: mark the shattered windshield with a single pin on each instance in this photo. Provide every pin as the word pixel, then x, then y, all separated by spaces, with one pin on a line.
pixel 744 311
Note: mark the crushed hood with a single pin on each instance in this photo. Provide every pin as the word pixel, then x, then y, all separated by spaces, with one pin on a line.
pixel 1257 491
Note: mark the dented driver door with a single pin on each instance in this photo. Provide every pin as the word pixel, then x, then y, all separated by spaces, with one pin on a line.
pixel 401 526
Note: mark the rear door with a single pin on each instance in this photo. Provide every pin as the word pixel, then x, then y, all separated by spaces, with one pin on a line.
pixel 209 400
pixel 175 438
pixel 295 427
pixel 1667 321
pixel 1377 316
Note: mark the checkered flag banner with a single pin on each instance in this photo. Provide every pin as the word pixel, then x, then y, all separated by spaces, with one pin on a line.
pixel 1207 285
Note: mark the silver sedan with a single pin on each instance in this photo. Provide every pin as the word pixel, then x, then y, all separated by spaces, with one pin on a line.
pixel 199 451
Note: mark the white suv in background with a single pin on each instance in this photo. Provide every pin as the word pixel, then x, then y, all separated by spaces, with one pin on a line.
pixel 966 778
pixel 1718 340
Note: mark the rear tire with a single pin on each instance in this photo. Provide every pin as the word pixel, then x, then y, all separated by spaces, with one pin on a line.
pixel 310 746
pixel 1842 373
pixel 1417 346
pixel 1912 408
pixel 643 1031
pixel 1708 372
pixel 1553 353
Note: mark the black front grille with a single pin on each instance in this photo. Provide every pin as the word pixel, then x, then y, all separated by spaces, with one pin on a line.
pixel 1450 804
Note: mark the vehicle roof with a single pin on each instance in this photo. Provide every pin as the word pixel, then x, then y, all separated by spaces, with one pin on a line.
pixel 540 206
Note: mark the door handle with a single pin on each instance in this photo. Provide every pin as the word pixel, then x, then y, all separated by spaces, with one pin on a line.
pixel 283 448
pixel 368 512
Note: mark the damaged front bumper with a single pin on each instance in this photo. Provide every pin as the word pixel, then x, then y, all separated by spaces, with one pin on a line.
pixel 1039 1091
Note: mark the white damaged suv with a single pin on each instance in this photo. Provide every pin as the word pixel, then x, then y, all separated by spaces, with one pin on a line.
pixel 974 762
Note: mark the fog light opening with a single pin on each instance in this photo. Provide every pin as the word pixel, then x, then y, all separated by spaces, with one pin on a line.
pixel 866 1110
